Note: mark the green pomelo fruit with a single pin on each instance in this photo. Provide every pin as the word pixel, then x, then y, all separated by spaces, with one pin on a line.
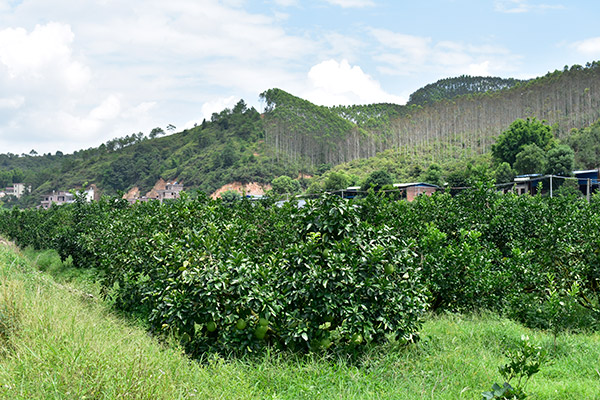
pixel 240 324
pixel 260 332
pixel 389 269
pixel 211 326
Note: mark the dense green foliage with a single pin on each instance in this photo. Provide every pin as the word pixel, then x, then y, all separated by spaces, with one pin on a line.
pixel 530 160
pixel 372 117
pixel 586 145
pixel 58 342
pixel 285 185
pixel 226 149
pixel 455 128
pixel 242 275
pixel 377 180
pixel 520 134
pixel 302 131
pixel 560 161
pixel 462 85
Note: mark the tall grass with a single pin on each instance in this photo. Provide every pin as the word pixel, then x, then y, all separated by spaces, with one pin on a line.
pixel 57 342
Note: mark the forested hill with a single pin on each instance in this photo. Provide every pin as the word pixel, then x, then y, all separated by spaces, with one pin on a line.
pixel 295 136
pixel 463 85
pixel 228 148
pixel 455 127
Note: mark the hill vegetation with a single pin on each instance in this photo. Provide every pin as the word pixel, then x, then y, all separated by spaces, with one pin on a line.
pixel 441 126
pixel 457 127
pixel 230 147
pixel 446 89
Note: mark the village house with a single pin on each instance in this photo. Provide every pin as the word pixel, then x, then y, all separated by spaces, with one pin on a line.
pixel 412 190
pixel 62 197
pixel 17 190
pixel 527 184
pixel 588 181
pixel 162 191
pixel 56 198
pixel 171 191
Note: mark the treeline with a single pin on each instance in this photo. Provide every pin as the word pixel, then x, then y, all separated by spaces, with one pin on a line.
pixel 449 88
pixel 333 275
pixel 449 128
pixel 304 132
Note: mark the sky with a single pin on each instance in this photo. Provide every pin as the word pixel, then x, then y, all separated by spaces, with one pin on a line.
pixel 75 74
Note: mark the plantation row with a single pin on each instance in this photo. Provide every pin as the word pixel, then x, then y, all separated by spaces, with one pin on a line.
pixel 335 274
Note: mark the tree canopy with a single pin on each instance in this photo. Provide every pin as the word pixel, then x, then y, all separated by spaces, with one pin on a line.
pixel 519 134
pixel 285 185
pixel 377 180
pixel 462 85
pixel 336 181
pixel 531 160
pixel 560 161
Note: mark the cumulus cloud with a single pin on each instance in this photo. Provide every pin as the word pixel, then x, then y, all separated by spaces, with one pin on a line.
pixel 481 69
pixel 334 83
pixel 43 55
pixel 14 102
pixel 108 109
pixel 95 78
pixel 588 47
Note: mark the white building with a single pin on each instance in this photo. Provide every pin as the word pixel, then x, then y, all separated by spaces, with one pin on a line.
pixel 17 190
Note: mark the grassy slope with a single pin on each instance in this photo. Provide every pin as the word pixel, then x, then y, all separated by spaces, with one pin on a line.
pixel 57 343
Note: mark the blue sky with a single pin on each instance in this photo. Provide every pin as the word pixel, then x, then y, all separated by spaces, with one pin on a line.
pixel 76 74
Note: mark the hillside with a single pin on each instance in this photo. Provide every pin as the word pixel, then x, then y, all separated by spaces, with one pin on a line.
pixel 295 136
pixel 228 148
pixel 455 128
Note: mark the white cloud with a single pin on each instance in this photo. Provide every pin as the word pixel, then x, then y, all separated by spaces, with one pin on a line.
pixel 351 3
pixel 42 55
pixel 96 77
pixel 108 109
pixel 407 55
pixel 523 6
pixel 14 102
pixel 334 83
pixel 415 48
pixel 481 69
pixel 588 47
pixel 217 105
pixel 286 3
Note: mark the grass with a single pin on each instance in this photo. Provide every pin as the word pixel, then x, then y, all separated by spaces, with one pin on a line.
pixel 57 342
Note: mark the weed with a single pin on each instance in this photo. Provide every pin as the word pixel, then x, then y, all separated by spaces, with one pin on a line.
pixel 524 361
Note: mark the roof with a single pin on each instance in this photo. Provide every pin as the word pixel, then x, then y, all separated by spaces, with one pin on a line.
pixel 419 184
pixel 529 177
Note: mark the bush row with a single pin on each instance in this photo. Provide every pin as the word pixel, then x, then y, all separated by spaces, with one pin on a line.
pixel 335 274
